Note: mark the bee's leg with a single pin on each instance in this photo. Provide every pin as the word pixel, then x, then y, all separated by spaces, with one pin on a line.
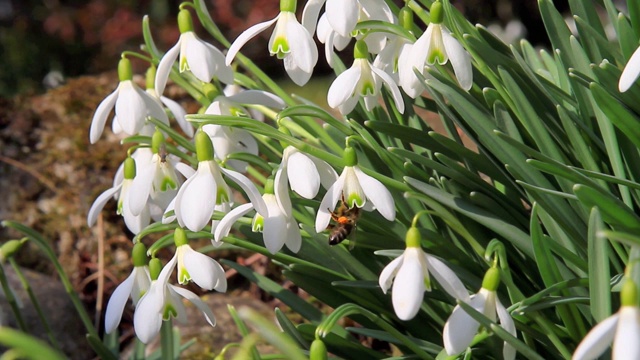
pixel 334 216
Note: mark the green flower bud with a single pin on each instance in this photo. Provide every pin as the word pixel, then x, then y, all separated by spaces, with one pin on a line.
pixel 413 237
pixel 157 140
pixel 139 254
pixel 180 237
pixel 437 14
pixel 491 279
pixel 125 71
pixel 9 248
pixel 629 293
pixel 204 146
pixel 350 158
pixel 155 266
pixel 210 91
pixel 318 350
pixel 360 50
pixel 150 77
pixel 185 23
pixel 405 16
pixel 129 168
pixel 288 5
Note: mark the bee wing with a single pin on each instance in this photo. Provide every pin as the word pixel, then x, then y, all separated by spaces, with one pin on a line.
pixel 352 238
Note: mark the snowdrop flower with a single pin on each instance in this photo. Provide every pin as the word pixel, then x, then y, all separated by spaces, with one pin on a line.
pixel 197 267
pixel 357 189
pixel 203 59
pixel 436 45
pixel 157 181
pixel 411 272
pixel 289 41
pixel 344 15
pixel 134 286
pixel 278 226
pixel 196 200
pixel 132 106
pixel 388 58
pixel 621 328
pixel 228 140
pixel 135 223
pixel 176 109
pixel 460 328
pixel 631 72
pixel 163 302
pixel 304 173
pixel 330 38
pixel 361 80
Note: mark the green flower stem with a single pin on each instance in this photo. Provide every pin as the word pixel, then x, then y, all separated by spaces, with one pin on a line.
pixel 46 248
pixel 35 302
pixel 181 140
pixel 27 346
pixel 419 11
pixel 348 309
pixel 256 174
pixel 8 293
pixel 243 329
pixel 213 29
pixel 166 340
pixel 128 53
pixel 139 350
pixel 548 329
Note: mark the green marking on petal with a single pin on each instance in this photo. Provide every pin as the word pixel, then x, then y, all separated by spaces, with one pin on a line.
pixel 367 88
pixel 238 111
pixel 354 200
pixel 280 47
pixel 168 183
pixel 169 312
pixel 183 276
pixel 222 196
pixel 436 55
pixel 427 282
pixel 258 223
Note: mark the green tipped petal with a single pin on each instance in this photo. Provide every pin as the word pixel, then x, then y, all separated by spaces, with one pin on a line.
pixel 125 71
pixel 185 23
pixel 180 237
pixel 204 146
pixel 129 168
pixel 139 255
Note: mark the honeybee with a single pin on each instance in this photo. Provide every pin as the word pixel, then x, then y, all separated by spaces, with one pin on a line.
pixel 345 219
pixel 162 153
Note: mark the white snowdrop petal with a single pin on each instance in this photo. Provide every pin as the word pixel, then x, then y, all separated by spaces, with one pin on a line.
pixel 130 108
pixel 460 328
pixel 389 273
pixel 303 48
pixel 250 189
pixel 258 97
pixel 460 60
pixel 184 169
pixel 245 36
pixel 328 204
pixel 147 319
pixel 377 194
pixel 293 238
pixel 310 14
pixel 327 174
pixel 141 188
pixel 447 279
pixel 116 304
pixel 197 199
pixel 179 114
pixel 392 86
pixel 154 109
pixel 343 87
pixel 344 15
pixel 281 189
pixel 100 116
pixel 625 342
pixel 299 76
pixel 195 300
pixel 199 57
pixel 275 230
pixel 408 288
pixel 201 268
pixel 506 321
pixel 225 224
pixel 164 68
pixel 303 176
pixel 99 203
pixel 597 340
pixel 631 72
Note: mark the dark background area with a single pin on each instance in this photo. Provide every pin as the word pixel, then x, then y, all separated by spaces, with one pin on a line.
pixel 74 37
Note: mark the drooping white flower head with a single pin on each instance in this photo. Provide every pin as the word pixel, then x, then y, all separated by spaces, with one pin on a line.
pixel 460 328
pixel 163 301
pixel 122 184
pixel 228 140
pixel 331 39
pixel 197 267
pixel 134 286
pixel 304 173
pixel 389 58
pixel 436 45
pixel 357 189
pixel 196 200
pixel 411 272
pixel 289 41
pixel 344 15
pixel 178 112
pixel 361 80
pixel 132 106
pixel 631 72
pixel 278 226
pixel 622 329
pixel 203 59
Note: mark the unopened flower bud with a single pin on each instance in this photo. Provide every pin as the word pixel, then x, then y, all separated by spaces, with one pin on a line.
pixel 318 350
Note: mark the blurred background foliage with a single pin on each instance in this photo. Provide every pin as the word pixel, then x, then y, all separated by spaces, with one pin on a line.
pixel 44 41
